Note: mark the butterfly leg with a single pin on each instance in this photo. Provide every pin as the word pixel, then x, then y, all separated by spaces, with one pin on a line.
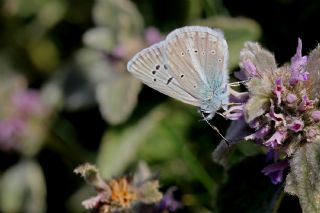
pixel 237 83
pixel 215 129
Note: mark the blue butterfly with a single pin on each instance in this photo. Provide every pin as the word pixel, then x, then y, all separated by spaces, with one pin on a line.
pixel 189 65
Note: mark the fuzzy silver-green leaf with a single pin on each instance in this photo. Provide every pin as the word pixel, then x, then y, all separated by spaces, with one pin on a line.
pixel 303 179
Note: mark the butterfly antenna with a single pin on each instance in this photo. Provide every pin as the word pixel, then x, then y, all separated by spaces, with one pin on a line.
pixel 216 129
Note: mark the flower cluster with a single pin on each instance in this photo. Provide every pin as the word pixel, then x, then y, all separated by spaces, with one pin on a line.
pixel 21 114
pixel 281 104
pixel 125 193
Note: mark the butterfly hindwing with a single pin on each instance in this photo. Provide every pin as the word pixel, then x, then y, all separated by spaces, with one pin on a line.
pixel 198 57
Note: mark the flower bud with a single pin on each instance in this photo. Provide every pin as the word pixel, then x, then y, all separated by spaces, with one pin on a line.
pixel 315 115
pixel 291 98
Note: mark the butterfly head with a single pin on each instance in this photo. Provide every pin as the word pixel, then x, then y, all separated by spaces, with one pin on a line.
pixel 216 100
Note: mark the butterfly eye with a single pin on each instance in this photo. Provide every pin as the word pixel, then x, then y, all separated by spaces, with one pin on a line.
pixel 213 52
pixel 153 72
pixel 181 76
pixel 196 51
pixel 165 67
pixel 219 60
pixel 157 66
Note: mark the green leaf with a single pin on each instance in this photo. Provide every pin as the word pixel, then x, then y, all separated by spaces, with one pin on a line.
pixel 100 38
pixel 237 31
pixel 119 15
pixel 304 177
pixel 23 188
pixel 119 147
pixel 261 91
pixel 23 8
pixel 116 90
pixel 117 98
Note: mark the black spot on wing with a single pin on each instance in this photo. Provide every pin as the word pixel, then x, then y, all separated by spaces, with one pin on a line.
pixel 169 80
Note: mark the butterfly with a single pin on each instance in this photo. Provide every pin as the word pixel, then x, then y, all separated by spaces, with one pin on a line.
pixel 190 65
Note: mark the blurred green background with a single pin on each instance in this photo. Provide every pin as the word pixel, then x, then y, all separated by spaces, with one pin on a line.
pixel 66 99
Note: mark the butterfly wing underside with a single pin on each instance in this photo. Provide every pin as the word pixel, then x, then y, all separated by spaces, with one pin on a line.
pixel 198 57
pixel 151 68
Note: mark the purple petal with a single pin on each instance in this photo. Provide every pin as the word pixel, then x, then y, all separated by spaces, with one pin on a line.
pixel 250 68
pixel 237 129
pixel 297 68
pixel 234 112
pixel 272 155
pixel 168 201
pixel 93 202
pixel 305 104
pixel 152 35
pixel 260 134
pixel 9 131
pixel 276 139
pixel 275 171
pixel 117 53
pixel 238 97
pixel 28 101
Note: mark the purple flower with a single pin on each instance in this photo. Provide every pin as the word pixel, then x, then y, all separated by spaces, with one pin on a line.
pixel 296 125
pixel 9 132
pixel 305 104
pixel 297 68
pixel 276 139
pixel 168 201
pixel 28 102
pixel 280 106
pixel 275 171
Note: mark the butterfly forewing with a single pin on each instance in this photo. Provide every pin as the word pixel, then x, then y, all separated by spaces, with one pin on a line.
pixel 198 58
pixel 151 68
